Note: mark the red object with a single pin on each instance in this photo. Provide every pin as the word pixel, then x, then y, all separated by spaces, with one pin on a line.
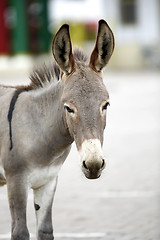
pixel 4 31
pixel 92 26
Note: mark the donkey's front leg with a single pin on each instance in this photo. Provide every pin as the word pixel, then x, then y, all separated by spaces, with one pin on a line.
pixel 43 199
pixel 17 195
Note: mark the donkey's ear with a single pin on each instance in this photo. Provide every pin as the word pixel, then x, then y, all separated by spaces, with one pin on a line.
pixel 103 48
pixel 62 50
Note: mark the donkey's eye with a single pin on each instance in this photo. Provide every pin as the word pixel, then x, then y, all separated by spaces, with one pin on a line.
pixel 68 109
pixel 105 106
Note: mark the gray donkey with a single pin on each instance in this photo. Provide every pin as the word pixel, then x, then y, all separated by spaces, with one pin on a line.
pixel 65 102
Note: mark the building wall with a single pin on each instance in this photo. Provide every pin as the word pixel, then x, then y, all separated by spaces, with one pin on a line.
pixel 137 45
pixel 146 30
pixel 82 10
pixel 149 21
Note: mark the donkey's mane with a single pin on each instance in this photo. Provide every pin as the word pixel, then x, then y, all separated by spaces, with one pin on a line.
pixel 43 75
pixel 50 73
pixel 46 74
pixel 79 55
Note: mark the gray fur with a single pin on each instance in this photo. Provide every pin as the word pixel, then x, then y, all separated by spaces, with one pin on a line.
pixel 63 103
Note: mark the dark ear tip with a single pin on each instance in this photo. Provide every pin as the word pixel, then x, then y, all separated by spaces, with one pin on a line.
pixel 64 27
pixel 102 21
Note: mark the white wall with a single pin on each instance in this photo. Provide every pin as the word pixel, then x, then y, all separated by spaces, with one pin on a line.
pixel 149 21
pixel 84 10
pixel 146 30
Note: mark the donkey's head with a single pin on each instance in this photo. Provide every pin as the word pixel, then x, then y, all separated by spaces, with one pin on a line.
pixel 85 97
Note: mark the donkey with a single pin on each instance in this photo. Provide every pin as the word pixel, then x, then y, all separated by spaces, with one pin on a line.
pixel 64 102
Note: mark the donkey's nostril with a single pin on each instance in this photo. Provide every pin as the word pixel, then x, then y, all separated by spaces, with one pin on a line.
pixel 84 165
pixel 103 163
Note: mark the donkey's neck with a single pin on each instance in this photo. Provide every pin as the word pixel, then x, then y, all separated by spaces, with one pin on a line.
pixel 51 116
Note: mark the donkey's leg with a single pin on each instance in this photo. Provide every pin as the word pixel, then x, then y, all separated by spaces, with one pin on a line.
pixel 43 198
pixel 17 195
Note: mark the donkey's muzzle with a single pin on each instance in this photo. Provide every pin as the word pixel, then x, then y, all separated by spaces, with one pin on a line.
pixel 92 158
pixel 93 169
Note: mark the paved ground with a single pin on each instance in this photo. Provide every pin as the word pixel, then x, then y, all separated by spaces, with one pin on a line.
pixel 124 203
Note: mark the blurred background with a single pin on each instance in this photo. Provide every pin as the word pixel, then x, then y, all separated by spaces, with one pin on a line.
pixel 124 203
pixel 28 26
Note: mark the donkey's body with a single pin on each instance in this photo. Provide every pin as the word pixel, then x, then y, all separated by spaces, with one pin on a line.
pixel 40 122
pixel 39 135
